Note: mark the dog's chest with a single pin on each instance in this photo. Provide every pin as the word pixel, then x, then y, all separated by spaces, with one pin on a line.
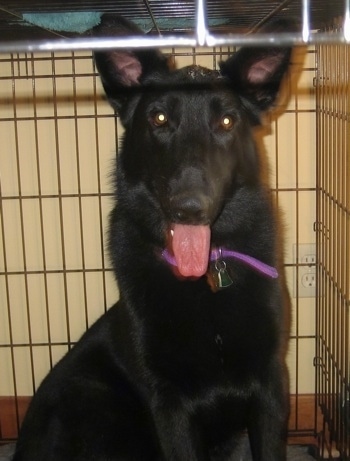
pixel 217 341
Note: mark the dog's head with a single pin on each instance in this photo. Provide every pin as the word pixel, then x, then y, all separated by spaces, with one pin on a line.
pixel 188 140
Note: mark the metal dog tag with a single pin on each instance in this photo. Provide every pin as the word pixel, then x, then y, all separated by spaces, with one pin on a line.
pixel 218 276
pixel 221 277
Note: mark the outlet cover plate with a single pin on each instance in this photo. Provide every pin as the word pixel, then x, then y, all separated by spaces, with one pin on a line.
pixel 304 280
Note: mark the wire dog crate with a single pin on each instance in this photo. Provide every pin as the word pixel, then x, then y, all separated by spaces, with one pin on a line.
pixel 333 244
pixel 59 135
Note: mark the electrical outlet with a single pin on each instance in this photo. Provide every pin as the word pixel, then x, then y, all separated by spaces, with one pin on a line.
pixel 308 280
pixel 305 270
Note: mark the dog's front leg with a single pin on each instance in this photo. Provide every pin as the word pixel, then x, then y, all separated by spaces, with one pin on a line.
pixel 179 437
pixel 268 423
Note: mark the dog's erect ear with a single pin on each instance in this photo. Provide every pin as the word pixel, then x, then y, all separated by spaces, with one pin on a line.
pixel 123 69
pixel 257 72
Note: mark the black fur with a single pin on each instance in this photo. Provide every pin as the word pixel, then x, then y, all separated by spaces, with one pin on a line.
pixel 176 371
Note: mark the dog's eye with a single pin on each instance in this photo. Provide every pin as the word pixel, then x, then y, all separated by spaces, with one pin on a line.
pixel 227 122
pixel 159 119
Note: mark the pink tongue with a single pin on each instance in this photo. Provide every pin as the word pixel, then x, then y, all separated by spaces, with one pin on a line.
pixel 191 246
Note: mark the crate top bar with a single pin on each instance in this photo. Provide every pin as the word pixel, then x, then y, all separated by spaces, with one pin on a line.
pixel 66 26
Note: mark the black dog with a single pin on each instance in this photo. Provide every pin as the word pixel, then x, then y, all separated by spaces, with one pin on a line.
pixel 192 354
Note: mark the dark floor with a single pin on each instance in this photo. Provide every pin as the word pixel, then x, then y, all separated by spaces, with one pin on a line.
pixel 295 453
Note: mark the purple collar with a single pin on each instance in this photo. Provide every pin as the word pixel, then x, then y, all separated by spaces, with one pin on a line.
pixel 222 253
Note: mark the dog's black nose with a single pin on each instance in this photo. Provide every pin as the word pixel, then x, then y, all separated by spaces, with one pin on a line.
pixel 190 210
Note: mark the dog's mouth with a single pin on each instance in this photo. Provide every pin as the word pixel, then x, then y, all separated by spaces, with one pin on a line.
pixel 190 245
